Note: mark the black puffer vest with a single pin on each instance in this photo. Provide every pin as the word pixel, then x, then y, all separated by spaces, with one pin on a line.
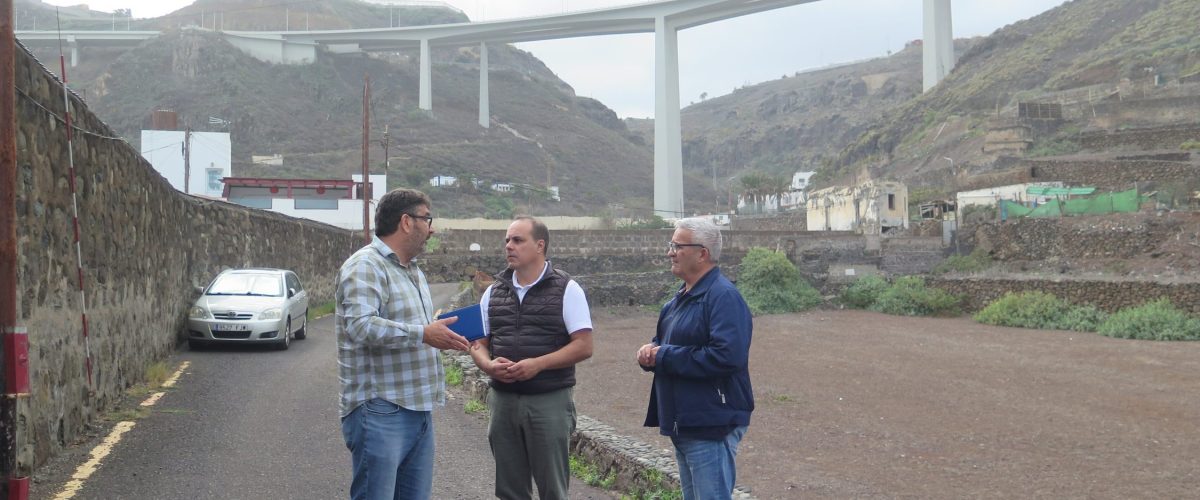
pixel 530 328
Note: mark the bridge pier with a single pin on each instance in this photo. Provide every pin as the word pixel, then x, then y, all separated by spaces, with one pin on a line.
pixel 485 114
pixel 938 45
pixel 425 99
pixel 668 144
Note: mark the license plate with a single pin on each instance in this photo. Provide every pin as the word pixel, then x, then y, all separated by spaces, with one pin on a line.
pixel 227 327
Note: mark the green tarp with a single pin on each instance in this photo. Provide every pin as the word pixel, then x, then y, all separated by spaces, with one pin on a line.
pixel 1122 202
pixel 1059 191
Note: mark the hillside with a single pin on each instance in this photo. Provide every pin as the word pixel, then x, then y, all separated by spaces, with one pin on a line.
pixel 1076 55
pixel 872 118
pixel 541 134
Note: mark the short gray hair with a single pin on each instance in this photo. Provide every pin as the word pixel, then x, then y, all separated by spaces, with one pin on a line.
pixel 705 233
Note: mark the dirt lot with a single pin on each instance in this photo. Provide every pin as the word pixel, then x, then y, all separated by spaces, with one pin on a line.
pixel 864 405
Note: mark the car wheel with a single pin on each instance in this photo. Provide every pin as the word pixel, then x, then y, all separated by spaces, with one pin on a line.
pixel 286 341
pixel 195 345
pixel 302 333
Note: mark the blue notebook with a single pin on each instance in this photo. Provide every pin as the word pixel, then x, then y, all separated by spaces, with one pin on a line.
pixel 470 321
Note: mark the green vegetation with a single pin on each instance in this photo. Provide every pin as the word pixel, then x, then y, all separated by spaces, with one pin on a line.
pixel 320 310
pixel 454 374
pixel 659 489
pixel 1157 320
pixel 864 292
pixel 474 406
pixel 908 296
pixel 591 474
pixel 1053 147
pixel 498 207
pixel 1040 310
pixel 772 285
pixel 1189 145
pixel 433 244
pixel 974 262
pixel 127 414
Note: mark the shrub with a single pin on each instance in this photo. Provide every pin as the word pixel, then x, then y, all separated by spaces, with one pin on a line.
pixel 976 261
pixel 772 285
pixel 908 296
pixel 1188 145
pixel 1040 310
pixel 1157 320
pixel 863 292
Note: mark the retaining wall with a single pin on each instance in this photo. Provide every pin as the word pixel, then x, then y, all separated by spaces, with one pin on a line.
pixel 144 247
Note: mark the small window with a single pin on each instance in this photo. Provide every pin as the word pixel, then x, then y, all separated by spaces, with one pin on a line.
pixel 891 201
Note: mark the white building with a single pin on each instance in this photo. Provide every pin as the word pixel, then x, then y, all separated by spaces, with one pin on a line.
pixel 794 199
pixel 209 153
pixel 338 202
pixel 1012 192
pixel 502 187
pixel 443 181
pixel 874 207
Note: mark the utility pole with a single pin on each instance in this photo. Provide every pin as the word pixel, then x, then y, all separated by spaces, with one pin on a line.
pixel 387 159
pixel 366 155
pixel 14 341
pixel 187 159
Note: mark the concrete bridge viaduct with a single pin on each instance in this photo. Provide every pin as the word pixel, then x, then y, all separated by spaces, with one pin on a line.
pixel 663 18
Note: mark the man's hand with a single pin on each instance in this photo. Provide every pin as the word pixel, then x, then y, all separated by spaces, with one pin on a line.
pixel 646 355
pixel 439 336
pixel 498 369
pixel 524 369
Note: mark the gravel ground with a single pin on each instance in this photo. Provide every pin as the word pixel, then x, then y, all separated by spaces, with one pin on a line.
pixel 865 405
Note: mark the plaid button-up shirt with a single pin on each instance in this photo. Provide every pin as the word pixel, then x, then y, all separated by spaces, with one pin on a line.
pixel 382 307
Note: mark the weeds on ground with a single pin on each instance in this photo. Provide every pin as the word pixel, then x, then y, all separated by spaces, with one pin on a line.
pixel 908 296
pixel 454 373
pixel 659 490
pixel 320 310
pixel 1040 310
pixel 127 414
pixel 591 474
pixel 863 292
pixel 155 375
pixel 974 262
pixel 474 406
pixel 772 285
pixel 1157 320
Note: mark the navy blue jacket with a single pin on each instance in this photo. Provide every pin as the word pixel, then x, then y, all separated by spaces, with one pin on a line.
pixel 701 372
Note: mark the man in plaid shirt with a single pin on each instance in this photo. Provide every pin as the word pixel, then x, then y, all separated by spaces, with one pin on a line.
pixel 388 363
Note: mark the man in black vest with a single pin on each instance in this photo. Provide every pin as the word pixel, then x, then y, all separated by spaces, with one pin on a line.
pixel 538 327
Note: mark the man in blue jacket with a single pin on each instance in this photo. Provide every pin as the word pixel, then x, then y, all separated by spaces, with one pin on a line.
pixel 700 353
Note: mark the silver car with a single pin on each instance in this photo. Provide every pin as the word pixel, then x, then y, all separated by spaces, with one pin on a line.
pixel 250 306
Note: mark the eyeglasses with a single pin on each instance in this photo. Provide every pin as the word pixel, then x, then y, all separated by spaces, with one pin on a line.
pixel 428 218
pixel 674 247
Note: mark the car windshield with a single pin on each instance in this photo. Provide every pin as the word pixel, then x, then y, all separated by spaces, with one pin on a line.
pixel 267 285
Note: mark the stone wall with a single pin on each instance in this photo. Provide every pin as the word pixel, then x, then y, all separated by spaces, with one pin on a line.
pixel 788 221
pixel 1111 174
pixel 1106 295
pixel 144 247
pixel 1118 236
pixel 1140 139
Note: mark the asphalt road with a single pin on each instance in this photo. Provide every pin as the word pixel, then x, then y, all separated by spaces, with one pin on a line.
pixel 254 423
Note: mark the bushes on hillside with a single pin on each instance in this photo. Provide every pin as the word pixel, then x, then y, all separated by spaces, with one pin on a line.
pixel 976 261
pixel 772 285
pixel 906 296
pixel 863 292
pixel 1040 310
pixel 1157 320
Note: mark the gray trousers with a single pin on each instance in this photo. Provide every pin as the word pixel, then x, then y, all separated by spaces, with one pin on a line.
pixel 530 436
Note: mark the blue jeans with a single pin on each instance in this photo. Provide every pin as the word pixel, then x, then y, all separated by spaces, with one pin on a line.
pixel 706 468
pixel 391 451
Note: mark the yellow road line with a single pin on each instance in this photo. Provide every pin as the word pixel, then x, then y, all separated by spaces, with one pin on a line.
pixel 102 450
pixel 88 468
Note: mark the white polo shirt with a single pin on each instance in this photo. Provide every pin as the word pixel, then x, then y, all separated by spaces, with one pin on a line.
pixel 576 314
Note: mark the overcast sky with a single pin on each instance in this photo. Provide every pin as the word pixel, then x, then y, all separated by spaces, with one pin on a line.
pixel 715 58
